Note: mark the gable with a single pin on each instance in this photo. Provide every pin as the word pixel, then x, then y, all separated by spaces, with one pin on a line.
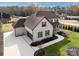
pixel 32 21
pixel 39 25
pixel 19 23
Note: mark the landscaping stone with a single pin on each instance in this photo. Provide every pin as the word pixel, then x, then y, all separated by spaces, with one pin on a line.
pixel 39 52
pixel 72 51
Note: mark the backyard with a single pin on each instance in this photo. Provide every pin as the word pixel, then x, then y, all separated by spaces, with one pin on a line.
pixel 60 48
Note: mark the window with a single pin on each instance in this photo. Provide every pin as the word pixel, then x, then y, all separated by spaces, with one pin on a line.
pixel 47 33
pixel 40 34
pixel 53 20
pixel 56 20
pixel 43 24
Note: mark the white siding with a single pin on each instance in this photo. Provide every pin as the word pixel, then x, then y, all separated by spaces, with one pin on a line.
pixel 20 31
pixel 29 30
pixel 39 28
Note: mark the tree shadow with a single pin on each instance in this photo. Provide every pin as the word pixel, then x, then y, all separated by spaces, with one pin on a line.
pixel 54 50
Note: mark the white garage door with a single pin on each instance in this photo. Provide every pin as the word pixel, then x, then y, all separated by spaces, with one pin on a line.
pixel 20 31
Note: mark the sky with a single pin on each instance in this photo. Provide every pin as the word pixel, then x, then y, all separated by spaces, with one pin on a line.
pixel 43 4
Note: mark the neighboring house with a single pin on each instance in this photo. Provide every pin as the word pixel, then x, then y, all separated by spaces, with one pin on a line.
pixel 63 16
pixel 72 17
pixel 67 17
pixel 38 26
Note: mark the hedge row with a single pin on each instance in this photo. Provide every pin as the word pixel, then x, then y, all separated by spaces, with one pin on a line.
pixel 72 28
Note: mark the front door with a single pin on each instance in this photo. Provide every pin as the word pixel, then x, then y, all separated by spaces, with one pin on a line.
pixel 29 35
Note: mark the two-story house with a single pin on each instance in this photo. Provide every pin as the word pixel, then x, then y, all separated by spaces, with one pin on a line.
pixel 38 26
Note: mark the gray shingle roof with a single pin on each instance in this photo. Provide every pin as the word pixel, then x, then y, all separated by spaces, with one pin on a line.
pixel 47 14
pixel 32 21
pixel 19 23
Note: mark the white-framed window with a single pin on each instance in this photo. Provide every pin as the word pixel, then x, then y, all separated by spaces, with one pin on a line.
pixel 47 32
pixel 40 34
pixel 43 24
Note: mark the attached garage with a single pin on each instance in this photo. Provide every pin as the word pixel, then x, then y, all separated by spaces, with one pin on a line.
pixel 19 28
pixel 20 31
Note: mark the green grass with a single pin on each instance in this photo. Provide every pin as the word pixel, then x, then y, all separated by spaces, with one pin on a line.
pixel 59 49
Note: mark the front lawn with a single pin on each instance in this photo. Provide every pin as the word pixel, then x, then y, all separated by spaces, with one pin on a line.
pixel 61 47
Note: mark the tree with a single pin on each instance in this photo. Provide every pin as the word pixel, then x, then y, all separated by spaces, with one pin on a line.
pixel 75 10
pixel 78 20
pixel 71 28
pixel 78 29
pixel 75 28
pixel 0 26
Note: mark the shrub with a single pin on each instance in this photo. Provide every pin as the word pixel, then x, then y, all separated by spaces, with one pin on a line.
pixel 78 29
pixel 39 52
pixel 0 26
pixel 75 28
pixel 71 28
pixel 36 43
pixel 43 41
pixel 62 34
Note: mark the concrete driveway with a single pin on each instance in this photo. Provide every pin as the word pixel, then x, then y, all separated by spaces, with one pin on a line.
pixel 19 46
pixel 16 46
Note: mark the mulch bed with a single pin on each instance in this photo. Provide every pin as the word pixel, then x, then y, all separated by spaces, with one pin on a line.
pixel 43 41
pixel 1 44
pixel 62 34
